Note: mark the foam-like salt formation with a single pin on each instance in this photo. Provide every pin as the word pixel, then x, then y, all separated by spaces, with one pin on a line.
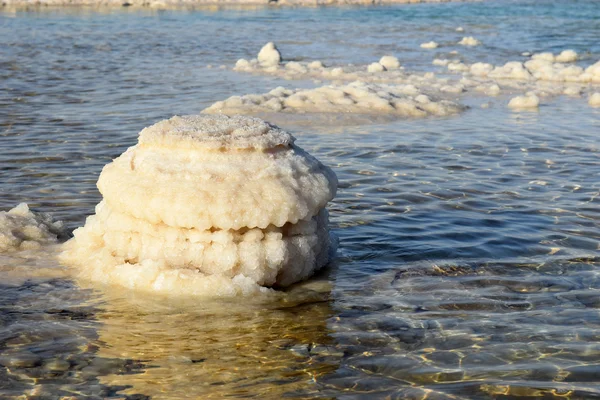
pixel 528 101
pixel 594 99
pixel 207 205
pixel 469 41
pixel 429 45
pixel 22 229
pixel 356 97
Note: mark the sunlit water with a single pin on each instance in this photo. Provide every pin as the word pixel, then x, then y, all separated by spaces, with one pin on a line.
pixel 469 258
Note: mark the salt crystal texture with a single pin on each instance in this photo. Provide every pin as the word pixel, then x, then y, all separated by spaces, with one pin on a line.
pixel 22 229
pixel 210 206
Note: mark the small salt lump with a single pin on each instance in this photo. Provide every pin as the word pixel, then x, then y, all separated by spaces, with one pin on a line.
pixel 22 229
pixel 429 45
pixel 269 55
pixel 469 41
pixel 208 205
pixel 525 102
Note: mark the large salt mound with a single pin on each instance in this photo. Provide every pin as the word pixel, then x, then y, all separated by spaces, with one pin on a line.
pixel 207 205
pixel 356 97
pixel 22 229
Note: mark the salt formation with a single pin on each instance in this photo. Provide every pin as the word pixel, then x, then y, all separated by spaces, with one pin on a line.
pixel 594 100
pixel 429 45
pixel 356 97
pixel 389 62
pixel 376 67
pixel 22 229
pixel 540 68
pixel 207 205
pixel 528 101
pixel 268 61
pixel 469 41
pixel 566 56
pixel 269 55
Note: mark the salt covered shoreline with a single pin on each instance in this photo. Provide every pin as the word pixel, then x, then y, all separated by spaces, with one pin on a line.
pixel 204 3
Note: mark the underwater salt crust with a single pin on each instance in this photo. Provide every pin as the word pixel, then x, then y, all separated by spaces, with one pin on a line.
pixel 207 205
pixel 22 229
pixel 356 97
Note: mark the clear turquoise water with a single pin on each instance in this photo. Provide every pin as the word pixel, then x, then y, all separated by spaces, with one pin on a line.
pixel 468 265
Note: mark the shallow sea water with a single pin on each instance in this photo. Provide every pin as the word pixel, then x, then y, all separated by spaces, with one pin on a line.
pixel 469 246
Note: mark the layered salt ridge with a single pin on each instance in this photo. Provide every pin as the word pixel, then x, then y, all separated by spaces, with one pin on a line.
pixel 23 229
pixel 210 206
pixel 356 97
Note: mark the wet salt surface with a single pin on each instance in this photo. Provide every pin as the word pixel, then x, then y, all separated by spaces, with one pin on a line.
pixel 469 244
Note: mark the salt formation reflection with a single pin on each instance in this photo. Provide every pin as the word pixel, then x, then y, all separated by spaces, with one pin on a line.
pixel 220 349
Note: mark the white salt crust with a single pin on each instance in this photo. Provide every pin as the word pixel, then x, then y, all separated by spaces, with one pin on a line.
pixel 207 205
pixel 594 99
pixel 356 97
pixel 22 229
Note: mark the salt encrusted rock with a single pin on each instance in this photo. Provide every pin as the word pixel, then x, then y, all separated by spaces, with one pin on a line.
pixel 208 205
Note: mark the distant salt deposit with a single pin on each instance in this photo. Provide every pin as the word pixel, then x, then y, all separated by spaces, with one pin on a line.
pixel 167 4
pixel 208 206
pixel 541 67
pixel 544 75
pixel 388 64
pixel 469 41
pixel 429 45
pixel 23 229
